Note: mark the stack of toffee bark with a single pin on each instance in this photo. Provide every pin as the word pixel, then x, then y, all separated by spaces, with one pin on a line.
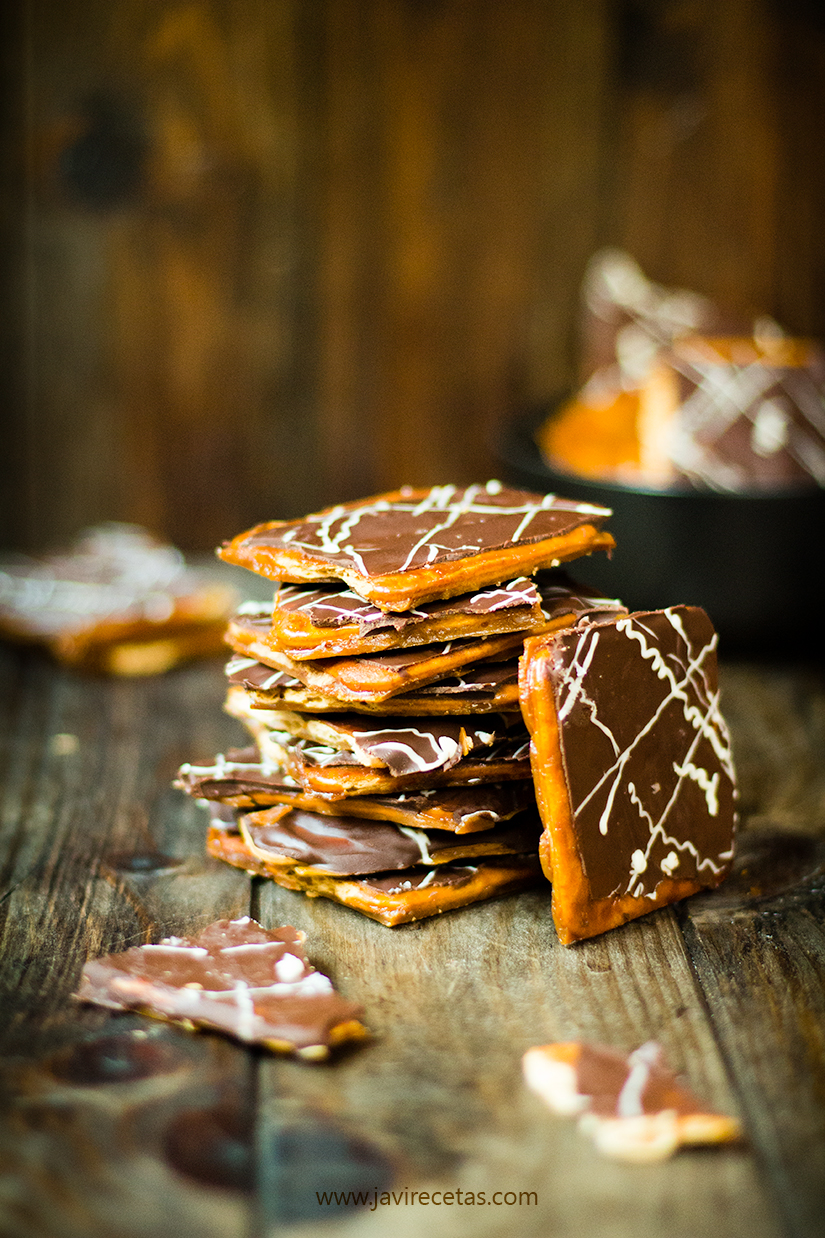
pixel 391 769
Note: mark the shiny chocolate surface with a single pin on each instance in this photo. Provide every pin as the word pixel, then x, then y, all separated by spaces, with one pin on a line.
pixel 645 749
pixel 252 983
pixel 420 528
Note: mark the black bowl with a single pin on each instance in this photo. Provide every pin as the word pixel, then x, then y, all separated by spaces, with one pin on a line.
pixel 754 561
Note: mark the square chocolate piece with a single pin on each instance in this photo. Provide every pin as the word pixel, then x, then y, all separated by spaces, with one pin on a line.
pixel 409 546
pixel 631 763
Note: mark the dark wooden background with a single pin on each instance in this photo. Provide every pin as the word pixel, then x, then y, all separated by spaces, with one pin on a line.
pixel 260 255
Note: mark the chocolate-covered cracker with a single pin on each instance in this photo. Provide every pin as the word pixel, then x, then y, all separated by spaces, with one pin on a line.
pixel 240 779
pixel 398 898
pixel 330 621
pixel 252 983
pixel 327 771
pixel 409 547
pixel 402 745
pixel 487 687
pixel 632 1104
pixel 631 764
pixel 310 844
pixel 117 601
pixel 372 678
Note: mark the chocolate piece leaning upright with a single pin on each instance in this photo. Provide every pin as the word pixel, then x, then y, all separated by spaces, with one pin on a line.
pixel 631 763
pixel 409 547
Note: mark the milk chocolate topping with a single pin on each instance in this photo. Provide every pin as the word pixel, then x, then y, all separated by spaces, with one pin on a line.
pixel 381 536
pixel 402 745
pixel 645 749
pixel 631 1084
pixel 345 846
pixel 235 976
pixel 241 779
pixel 333 606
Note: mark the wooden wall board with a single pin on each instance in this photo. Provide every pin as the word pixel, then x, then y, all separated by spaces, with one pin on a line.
pixel 264 256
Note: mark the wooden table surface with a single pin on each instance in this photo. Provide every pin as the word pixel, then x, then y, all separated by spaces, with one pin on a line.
pixel 117 1125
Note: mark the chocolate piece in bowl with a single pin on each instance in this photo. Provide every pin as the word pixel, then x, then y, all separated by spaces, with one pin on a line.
pixel 409 546
pixel 735 414
pixel 631 763
pixel 235 977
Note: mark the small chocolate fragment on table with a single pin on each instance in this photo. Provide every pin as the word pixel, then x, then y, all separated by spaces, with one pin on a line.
pixel 632 1104
pixel 631 763
pixel 235 977
pixel 409 547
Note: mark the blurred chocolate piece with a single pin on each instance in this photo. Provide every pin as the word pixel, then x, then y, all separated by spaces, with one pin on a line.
pixel 632 1104
pixel 735 414
pixel 631 763
pixel 117 602
pixel 252 983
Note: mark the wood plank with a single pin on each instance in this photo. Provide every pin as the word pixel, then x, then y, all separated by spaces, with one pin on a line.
pixel 758 943
pixel 437 1102
pixel 98 1108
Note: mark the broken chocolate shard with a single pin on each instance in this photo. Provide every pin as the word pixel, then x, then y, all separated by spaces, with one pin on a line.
pixel 632 1104
pixel 393 898
pixel 236 977
pixel 341 846
pixel 241 780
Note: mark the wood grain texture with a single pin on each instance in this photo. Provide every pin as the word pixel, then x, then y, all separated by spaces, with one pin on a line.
pixel 117 1125
pixel 266 256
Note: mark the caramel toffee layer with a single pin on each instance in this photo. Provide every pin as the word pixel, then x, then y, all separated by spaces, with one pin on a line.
pixel 346 847
pixel 241 780
pixel 487 687
pixel 632 764
pixel 372 677
pixel 252 983
pixel 393 898
pixel 328 622
pixel 444 541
